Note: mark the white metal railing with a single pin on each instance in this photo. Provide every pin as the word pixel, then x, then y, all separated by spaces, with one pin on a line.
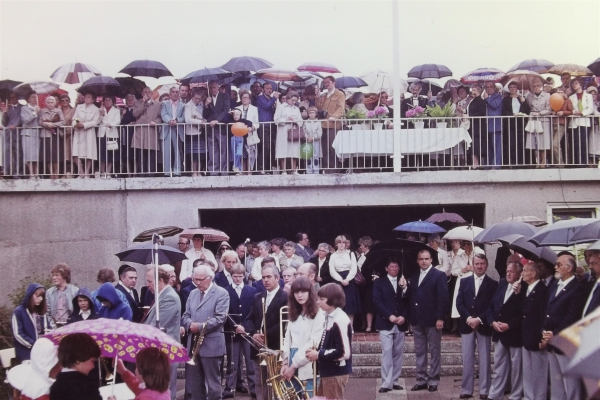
pixel 319 147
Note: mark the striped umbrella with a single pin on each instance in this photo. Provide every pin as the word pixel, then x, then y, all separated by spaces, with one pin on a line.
pixel 164 231
pixel 74 73
pixel 483 75
pixel 40 87
pixel 210 234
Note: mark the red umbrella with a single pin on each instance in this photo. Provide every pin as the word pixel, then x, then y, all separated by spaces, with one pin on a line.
pixel 319 67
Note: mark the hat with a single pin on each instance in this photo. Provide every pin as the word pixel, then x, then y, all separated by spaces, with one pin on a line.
pixel 592 88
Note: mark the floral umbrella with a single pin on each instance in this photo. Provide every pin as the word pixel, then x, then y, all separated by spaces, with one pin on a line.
pixel 280 75
pixel 573 69
pixel 123 339
pixel 483 75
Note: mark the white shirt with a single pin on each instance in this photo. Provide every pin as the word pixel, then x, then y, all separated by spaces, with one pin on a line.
pixel 270 296
pixel 561 285
pixel 127 289
pixel 238 288
pixel 228 276
pixel 530 288
pixel 423 274
pixel 394 281
pixel 478 281
pixel 85 314
pixel 509 292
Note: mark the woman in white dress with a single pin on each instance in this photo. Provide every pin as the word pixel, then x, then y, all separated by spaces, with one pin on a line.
pixel 250 113
pixel 287 116
pixel 303 332
pixel 108 133
pixel 538 128
pixel 85 120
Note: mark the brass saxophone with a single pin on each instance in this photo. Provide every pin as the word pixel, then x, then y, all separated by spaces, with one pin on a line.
pixel 197 340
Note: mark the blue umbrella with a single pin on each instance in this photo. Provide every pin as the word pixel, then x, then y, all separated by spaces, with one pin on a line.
pixel 346 82
pixel 420 227
pixel 152 69
pixel 561 233
pixel 247 64
pixel 205 75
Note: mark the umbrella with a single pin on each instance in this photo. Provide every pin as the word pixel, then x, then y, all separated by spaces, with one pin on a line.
pixel 436 71
pixel 540 66
pixel 164 231
pixel 521 245
pixel 572 69
pixel 123 339
pixel 587 234
pixel 420 227
pixel 205 75
pixel 346 82
pixel 467 232
pixel 405 251
pixel 277 74
pixel 569 339
pixel 40 87
pixel 451 83
pixel 446 217
pixel 585 360
pixel 319 67
pixel 595 67
pixel 594 246
pixel 210 234
pixel 100 85
pixel 523 78
pixel 74 73
pixel 309 79
pixel 492 233
pixel 144 254
pixel 483 75
pixel 131 85
pixel 381 81
pixel 6 86
pixel 426 86
pixel 560 233
pixel 528 219
pixel 149 68
pixel 247 64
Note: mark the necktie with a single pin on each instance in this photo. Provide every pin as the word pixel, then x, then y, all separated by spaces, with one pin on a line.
pixel 201 296
pixel 238 290
pixel 477 284
pixel 421 277
pixel 229 279
pixel 268 301
pixel 559 288
pixel 394 284
pixel 595 292
pixel 509 291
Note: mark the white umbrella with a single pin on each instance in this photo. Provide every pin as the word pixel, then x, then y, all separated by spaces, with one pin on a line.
pixel 463 233
pixel 381 81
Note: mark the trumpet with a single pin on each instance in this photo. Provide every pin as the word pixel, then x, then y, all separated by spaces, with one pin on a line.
pixel 197 340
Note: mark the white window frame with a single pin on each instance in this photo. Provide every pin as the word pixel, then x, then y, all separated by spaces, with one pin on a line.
pixel 575 206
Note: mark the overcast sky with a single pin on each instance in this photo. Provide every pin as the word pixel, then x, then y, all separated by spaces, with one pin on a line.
pixel 355 36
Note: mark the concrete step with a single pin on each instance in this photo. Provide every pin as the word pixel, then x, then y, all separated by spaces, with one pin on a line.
pixel 408 359
pixel 374 347
pixel 375 372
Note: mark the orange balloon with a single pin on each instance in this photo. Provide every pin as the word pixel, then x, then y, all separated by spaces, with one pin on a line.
pixel 239 129
pixel 557 102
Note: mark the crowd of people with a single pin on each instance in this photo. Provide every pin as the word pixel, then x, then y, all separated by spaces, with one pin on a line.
pixel 234 298
pixel 190 131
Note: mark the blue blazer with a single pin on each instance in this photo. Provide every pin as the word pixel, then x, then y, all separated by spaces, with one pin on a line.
pixel 429 301
pixel 260 286
pixel 166 113
pixel 534 313
pixel 221 279
pixel 595 302
pixel 510 313
pixel 239 305
pixel 133 303
pixel 388 303
pixel 469 305
pixel 566 308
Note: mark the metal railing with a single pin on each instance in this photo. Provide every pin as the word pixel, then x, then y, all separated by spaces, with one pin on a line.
pixel 337 146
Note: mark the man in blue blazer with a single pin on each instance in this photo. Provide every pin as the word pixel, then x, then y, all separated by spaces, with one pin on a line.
pixel 126 285
pixel 172 135
pixel 504 316
pixel 229 258
pixel 241 297
pixel 428 294
pixel 217 112
pixel 474 297
pixel 593 287
pixel 565 306
pixel 392 321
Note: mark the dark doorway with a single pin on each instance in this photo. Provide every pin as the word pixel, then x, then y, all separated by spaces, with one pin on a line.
pixel 324 224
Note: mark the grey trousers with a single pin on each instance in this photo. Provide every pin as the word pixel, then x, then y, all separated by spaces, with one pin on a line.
pixel 507 363
pixel 561 386
pixel 392 349
pixel 241 348
pixel 535 374
pixel 12 153
pixel 203 380
pixel 217 150
pixel 428 340
pixel 261 379
pixel 483 344
pixel 171 151
pixel 173 381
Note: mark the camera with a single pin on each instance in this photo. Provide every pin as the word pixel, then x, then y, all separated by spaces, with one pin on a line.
pixel 322 114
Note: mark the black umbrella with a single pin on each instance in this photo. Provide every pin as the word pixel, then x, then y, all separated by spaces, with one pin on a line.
pixel 404 251
pixel 152 69
pixel 429 71
pixel 100 85
pixel 540 66
pixel 346 82
pixel 427 85
pixel 143 254
pixel 247 64
pixel 492 233
pixel 164 231
pixel 595 67
pixel 6 86
pixel 205 75
pixel 244 81
pixel 131 85
pixel 521 245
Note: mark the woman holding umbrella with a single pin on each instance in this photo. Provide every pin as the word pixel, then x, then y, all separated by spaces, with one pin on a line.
pixel 30 141
pixel 478 126
pixel 85 120
pixel 513 106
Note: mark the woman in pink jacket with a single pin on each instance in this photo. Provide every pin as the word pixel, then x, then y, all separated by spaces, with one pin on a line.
pixel 152 373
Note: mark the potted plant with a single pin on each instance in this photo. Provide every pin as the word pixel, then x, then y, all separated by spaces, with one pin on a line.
pixel 378 113
pixel 352 116
pixel 443 113
pixel 417 114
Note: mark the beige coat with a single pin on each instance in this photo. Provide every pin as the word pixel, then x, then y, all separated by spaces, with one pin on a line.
pixel 334 105
pixel 146 137
pixel 46 115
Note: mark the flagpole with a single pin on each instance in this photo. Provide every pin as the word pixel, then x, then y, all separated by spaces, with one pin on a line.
pixel 396 84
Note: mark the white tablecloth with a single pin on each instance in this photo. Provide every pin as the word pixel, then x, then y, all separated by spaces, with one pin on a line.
pixel 355 143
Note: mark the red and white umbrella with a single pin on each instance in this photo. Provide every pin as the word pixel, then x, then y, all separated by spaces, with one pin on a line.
pixel 74 73
pixel 40 87
pixel 319 67
pixel 210 234
pixel 276 74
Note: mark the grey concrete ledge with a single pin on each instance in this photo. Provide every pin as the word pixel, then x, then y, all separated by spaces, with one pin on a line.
pixel 298 181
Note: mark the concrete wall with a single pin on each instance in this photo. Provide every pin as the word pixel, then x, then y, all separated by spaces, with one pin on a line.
pixel 85 222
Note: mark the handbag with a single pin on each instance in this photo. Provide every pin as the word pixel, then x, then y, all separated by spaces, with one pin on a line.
pixel 294 134
pixel 359 278
pixel 252 139
pixel 112 144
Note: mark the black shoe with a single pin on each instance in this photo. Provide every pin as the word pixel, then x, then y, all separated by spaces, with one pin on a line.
pixel 483 396
pixel 465 396
pixel 384 390
pixel 398 387
pixel 419 387
pixel 241 389
pixel 227 395
pixel 432 388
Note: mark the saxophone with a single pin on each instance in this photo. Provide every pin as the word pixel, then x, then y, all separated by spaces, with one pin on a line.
pixel 197 340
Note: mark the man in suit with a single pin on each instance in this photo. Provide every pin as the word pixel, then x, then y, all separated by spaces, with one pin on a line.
pixel 169 314
pixel 217 112
pixel 309 271
pixel 474 297
pixel 535 358
pixel 11 120
pixel 593 297
pixel 273 299
pixel 240 300
pixel 172 135
pixel 205 311
pixel 229 258
pixel 126 285
pixel 504 316
pixel 302 246
pixel 392 320
pixel 266 102
pixel 145 135
pixel 428 294
pixel 331 106
pixel 414 101
pixel 565 306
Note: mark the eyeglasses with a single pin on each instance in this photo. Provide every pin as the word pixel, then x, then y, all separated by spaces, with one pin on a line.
pixel 200 279
pixel 181 244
